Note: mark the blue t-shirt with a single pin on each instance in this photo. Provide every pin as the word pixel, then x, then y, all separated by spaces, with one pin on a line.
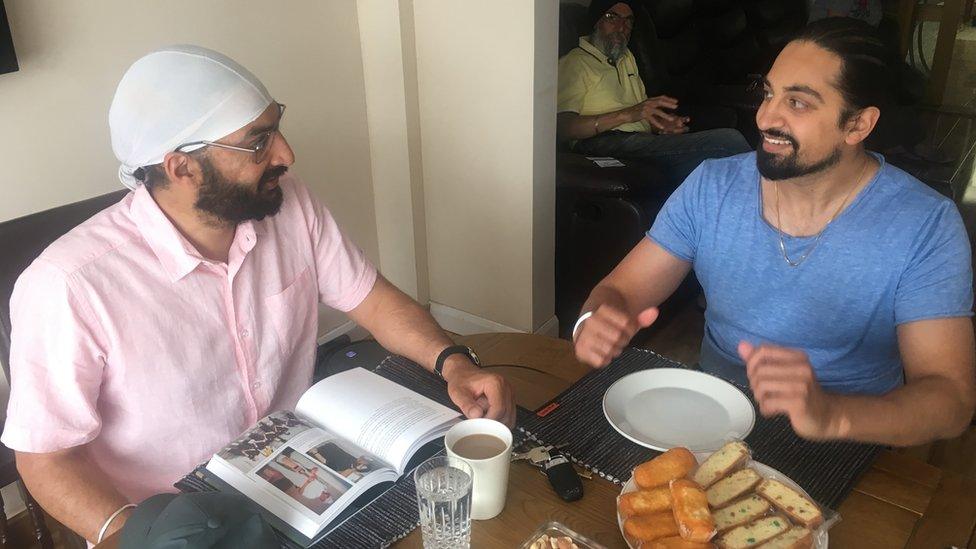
pixel 898 253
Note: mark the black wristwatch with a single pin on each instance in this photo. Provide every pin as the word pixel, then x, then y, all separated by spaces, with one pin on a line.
pixel 454 350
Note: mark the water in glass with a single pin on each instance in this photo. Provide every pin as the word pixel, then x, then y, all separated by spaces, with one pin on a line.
pixel 444 500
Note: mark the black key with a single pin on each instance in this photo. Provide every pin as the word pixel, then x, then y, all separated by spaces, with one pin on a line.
pixel 563 477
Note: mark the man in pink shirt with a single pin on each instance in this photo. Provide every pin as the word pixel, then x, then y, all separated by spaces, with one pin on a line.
pixel 159 330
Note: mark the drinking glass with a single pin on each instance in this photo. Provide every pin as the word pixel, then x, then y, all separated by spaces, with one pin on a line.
pixel 444 500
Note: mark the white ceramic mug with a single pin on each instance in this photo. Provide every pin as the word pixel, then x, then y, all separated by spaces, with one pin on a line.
pixel 490 474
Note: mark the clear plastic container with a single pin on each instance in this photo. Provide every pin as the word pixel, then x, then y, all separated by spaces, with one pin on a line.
pixel 557 530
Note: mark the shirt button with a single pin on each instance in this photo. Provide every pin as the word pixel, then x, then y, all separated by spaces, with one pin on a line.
pixel 256 385
pixel 245 333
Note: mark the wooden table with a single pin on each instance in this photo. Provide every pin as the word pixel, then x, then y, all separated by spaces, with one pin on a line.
pixel 900 501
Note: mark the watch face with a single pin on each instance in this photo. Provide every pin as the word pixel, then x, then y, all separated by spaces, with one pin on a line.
pixel 474 357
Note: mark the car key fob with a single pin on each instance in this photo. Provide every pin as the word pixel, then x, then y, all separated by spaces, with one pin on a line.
pixel 563 477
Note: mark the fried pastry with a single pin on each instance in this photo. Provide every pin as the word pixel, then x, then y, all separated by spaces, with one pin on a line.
pixel 644 502
pixel 690 507
pixel 676 542
pixel 651 527
pixel 673 464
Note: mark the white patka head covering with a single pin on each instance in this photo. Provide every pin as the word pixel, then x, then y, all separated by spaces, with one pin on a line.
pixel 177 95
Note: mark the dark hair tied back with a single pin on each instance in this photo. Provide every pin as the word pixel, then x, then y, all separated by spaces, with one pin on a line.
pixel 866 63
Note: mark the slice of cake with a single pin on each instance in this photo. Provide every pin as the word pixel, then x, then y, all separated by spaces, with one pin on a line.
pixel 732 487
pixel 727 459
pixel 755 533
pixel 740 512
pixel 797 537
pixel 791 502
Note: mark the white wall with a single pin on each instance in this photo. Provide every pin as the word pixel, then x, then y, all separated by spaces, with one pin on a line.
pixel 72 53
pixel 487 133
pixel 389 67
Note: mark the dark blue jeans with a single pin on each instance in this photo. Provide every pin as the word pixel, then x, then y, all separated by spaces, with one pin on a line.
pixel 677 155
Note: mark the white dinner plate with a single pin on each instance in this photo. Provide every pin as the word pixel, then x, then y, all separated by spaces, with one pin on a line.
pixel 820 537
pixel 667 407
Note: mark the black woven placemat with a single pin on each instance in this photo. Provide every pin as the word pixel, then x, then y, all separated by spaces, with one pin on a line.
pixel 393 514
pixel 826 470
pixel 388 518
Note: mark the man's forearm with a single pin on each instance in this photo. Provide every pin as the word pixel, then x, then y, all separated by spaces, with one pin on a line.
pixel 575 126
pixel 409 330
pixel 919 412
pixel 403 327
pixel 73 490
pixel 646 277
pixel 605 294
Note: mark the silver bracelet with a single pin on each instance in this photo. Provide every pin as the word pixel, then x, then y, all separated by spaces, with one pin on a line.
pixel 579 322
pixel 101 533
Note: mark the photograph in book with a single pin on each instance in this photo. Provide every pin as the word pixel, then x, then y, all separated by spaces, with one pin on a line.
pixel 259 443
pixel 303 481
pixel 350 433
pixel 346 460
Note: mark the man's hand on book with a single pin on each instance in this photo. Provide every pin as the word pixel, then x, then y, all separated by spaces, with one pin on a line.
pixel 479 393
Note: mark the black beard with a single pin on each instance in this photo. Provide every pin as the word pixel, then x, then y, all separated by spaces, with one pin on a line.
pixel 774 168
pixel 232 203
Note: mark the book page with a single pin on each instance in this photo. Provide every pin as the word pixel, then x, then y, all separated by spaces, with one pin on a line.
pixel 374 413
pixel 304 475
pixel 339 457
pixel 263 440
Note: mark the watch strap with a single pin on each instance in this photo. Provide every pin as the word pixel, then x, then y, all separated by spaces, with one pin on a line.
pixel 453 350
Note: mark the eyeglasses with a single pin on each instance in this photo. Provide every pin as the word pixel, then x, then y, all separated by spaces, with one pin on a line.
pixel 261 147
pixel 614 17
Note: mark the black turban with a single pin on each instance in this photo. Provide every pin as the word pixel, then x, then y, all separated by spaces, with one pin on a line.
pixel 600 7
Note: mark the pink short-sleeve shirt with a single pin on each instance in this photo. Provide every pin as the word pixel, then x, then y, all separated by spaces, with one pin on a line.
pixel 126 339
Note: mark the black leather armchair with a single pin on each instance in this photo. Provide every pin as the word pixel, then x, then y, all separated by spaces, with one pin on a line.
pixel 21 241
pixel 708 53
pixel 601 213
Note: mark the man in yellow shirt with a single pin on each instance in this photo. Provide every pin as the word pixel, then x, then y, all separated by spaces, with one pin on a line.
pixel 604 109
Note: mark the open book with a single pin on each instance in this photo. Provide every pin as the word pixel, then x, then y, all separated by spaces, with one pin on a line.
pixel 349 433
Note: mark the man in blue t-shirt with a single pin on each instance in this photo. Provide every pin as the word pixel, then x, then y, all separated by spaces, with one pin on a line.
pixel 839 288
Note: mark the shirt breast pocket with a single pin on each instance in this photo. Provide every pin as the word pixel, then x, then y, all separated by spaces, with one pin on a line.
pixel 293 313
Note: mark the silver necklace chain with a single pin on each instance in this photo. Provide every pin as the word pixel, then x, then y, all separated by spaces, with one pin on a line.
pixel 816 241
